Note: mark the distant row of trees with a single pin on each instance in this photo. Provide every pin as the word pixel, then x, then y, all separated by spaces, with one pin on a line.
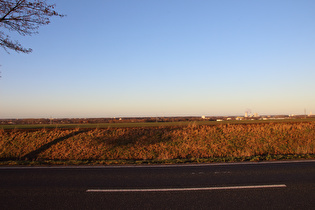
pixel 99 120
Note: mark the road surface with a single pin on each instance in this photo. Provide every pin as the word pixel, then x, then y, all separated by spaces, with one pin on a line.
pixel 267 185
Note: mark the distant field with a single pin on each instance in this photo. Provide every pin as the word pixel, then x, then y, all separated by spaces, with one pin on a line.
pixel 150 124
pixel 151 143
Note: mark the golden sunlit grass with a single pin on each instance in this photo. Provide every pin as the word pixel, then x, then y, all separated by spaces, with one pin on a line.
pixel 161 144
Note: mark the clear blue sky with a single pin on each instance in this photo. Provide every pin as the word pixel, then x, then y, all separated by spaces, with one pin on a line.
pixel 116 58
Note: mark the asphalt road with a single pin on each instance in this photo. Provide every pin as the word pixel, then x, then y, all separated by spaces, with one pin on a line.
pixel 273 185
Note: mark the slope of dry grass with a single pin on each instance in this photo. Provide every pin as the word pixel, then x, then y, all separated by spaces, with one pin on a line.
pixel 225 142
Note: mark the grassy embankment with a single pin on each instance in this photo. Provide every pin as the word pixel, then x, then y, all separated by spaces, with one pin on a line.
pixel 168 144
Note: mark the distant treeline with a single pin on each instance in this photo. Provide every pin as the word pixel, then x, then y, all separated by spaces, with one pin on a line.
pixel 34 121
pixel 99 120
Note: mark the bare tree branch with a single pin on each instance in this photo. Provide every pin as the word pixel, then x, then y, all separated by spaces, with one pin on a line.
pixel 23 17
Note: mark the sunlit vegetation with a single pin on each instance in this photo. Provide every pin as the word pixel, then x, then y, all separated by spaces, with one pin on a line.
pixel 192 143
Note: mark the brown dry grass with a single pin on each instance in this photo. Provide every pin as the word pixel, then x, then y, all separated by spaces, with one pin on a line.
pixel 163 143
